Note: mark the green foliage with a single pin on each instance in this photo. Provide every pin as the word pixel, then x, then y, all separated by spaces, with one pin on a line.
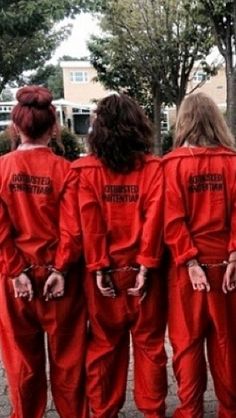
pixel 167 142
pixel 69 147
pixel 70 144
pixel 222 15
pixel 5 143
pixel 28 35
pixel 49 76
pixel 149 42
pixel 6 95
pixel 149 48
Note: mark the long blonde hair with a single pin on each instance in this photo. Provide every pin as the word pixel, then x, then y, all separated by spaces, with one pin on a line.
pixel 200 123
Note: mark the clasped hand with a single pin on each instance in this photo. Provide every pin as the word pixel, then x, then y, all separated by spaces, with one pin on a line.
pixel 198 278
pixel 53 287
pixel 106 286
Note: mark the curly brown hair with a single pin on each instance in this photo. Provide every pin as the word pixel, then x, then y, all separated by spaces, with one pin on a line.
pixel 121 133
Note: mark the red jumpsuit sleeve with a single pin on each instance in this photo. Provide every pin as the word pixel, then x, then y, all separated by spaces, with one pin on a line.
pixel 12 260
pixel 232 240
pixel 70 242
pixel 151 243
pixel 93 227
pixel 176 233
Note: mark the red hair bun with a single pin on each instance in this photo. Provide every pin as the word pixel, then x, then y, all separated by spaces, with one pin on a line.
pixel 34 114
pixel 34 96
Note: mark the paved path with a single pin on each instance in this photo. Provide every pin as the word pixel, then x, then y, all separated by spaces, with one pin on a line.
pixel 129 410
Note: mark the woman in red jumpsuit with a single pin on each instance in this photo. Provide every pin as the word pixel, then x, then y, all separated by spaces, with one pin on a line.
pixel 200 229
pixel 120 197
pixel 39 240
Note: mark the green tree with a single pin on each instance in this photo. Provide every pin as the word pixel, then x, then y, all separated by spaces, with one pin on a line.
pixel 49 76
pixel 6 95
pixel 28 34
pixel 68 147
pixel 149 48
pixel 222 15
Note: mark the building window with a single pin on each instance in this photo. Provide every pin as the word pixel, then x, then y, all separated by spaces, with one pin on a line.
pixel 199 76
pixel 164 122
pixel 5 116
pixel 79 77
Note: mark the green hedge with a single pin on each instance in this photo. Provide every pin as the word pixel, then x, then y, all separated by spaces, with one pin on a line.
pixel 5 143
pixel 167 142
pixel 69 141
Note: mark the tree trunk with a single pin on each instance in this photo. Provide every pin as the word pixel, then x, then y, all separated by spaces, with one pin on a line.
pixel 231 98
pixel 157 119
pixel 2 85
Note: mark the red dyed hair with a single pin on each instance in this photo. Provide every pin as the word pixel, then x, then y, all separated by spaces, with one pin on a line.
pixel 34 113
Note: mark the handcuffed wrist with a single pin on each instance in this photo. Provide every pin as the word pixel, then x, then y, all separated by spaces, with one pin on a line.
pixel 52 269
pixel 192 263
pixel 143 270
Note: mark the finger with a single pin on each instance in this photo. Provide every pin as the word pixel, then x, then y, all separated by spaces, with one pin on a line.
pixel 58 294
pixel 143 297
pixel 133 292
pixel 99 282
pixel 194 286
pixel 227 283
pixel 24 294
pixel 108 293
pixel 20 295
pixel 101 288
pixel 224 287
pixel 48 296
pixel 30 291
pixel 16 293
pixel 206 284
pixel 231 286
pixel 139 287
pixel 201 287
pixel 46 288
pixel 31 295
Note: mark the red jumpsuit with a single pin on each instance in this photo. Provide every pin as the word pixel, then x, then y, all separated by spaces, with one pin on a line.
pixel 38 227
pixel 121 217
pixel 200 222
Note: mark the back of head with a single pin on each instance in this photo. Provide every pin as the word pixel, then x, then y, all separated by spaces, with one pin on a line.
pixel 121 133
pixel 200 123
pixel 34 113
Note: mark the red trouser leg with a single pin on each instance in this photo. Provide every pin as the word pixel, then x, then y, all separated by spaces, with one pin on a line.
pixel 65 322
pixel 148 332
pixel 221 342
pixel 108 352
pixel 22 345
pixel 187 319
pixel 107 367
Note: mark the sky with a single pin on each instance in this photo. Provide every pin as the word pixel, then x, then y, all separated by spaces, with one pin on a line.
pixel 84 25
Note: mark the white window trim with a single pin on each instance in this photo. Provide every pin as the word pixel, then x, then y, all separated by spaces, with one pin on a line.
pixel 198 79
pixel 84 74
